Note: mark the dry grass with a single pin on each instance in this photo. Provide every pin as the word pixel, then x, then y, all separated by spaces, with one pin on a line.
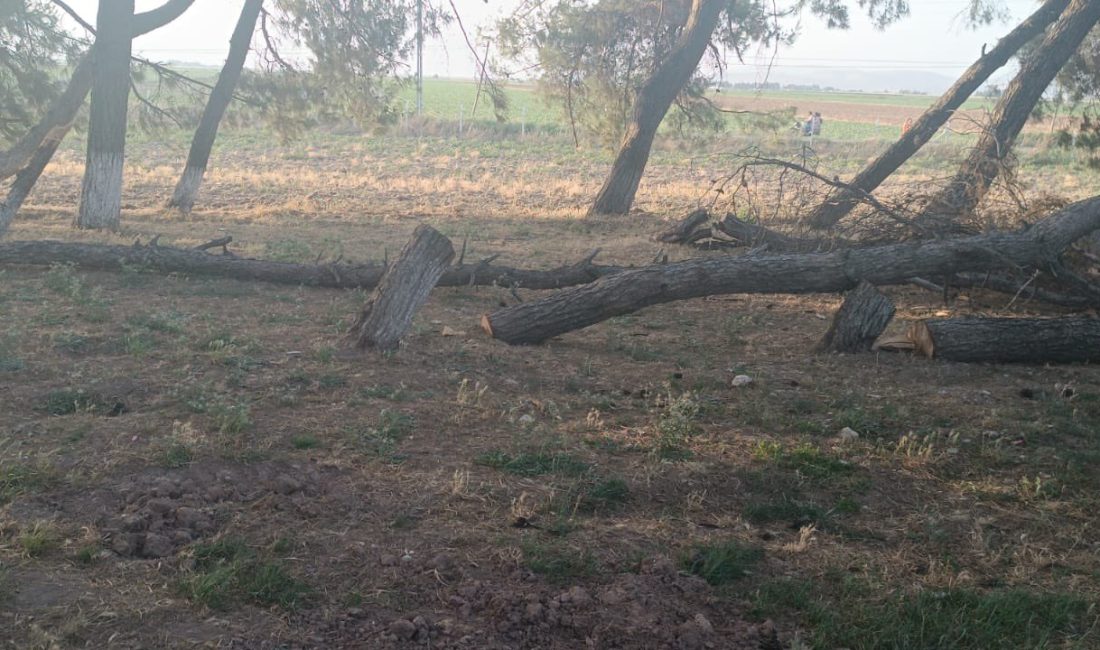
pixel 392 487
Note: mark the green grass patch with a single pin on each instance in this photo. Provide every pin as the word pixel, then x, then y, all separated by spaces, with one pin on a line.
pixel 176 455
pixel 603 495
pixel 786 510
pixel 556 561
pixel 228 572
pixel 39 539
pixel 390 429
pixel 957 619
pixel 68 401
pixel 18 479
pixel 722 562
pixel 305 442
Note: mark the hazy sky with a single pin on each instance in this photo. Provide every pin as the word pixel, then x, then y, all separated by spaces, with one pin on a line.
pixel 933 39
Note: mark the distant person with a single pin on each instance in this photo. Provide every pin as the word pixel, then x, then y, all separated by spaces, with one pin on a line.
pixel 908 125
pixel 815 124
pixel 808 125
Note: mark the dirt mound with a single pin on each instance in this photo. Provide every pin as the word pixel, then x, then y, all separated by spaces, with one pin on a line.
pixel 158 512
pixel 658 607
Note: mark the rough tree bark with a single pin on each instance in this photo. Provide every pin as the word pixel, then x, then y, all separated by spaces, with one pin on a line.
pixel 985 161
pixel 187 189
pixel 59 117
pixel 842 201
pixel 101 189
pixel 652 103
pixel 1009 340
pixel 162 259
pixel 629 291
pixel 860 320
pixel 403 290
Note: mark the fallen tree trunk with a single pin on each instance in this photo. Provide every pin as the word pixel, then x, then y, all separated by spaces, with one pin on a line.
pixel 860 320
pixel 403 289
pixel 629 291
pixel 751 234
pixel 100 257
pixel 1009 340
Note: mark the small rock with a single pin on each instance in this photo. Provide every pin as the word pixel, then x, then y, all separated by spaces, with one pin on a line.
pixel 741 380
pixel 613 596
pixel 579 597
pixel 125 544
pixel 388 560
pixel 704 623
pixel 403 629
pixel 847 434
pixel 534 612
pixel 441 562
pixel 156 545
pixel 132 523
pixel 189 517
pixel 287 485
pixel 526 419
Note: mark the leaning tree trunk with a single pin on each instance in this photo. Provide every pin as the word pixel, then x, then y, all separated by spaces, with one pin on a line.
pixel 101 190
pixel 842 201
pixel 652 103
pixel 629 291
pixel 54 125
pixel 25 180
pixel 57 121
pixel 187 189
pixel 404 288
pixel 1005 340
pixel 860 320
pixel 973 180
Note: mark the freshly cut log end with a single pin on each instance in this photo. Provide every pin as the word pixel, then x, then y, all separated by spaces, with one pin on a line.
pixel 1009 340
pixel 403 289
pixel 486 324
pixel 860 320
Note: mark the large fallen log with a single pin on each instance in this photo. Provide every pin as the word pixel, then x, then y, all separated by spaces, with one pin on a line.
pixel 402 290
pixel 1009 340
pixel 164 259
pixel 628 291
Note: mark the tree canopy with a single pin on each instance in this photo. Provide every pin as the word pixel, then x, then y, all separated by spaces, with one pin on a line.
pixel 34 50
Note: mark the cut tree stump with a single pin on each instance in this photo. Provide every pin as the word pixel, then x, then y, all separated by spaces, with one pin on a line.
pixel 628 291
pixel 860 320
pixel 404 288
pixel 1009 340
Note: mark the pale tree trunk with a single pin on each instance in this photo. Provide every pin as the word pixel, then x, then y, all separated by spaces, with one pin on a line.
pixel 101 191
pixel 59 117
pixel 986 160
pixel 842 201
pixel 187 189
pixel 652 103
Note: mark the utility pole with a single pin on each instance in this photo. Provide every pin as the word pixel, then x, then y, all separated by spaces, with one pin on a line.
pixel 419 57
